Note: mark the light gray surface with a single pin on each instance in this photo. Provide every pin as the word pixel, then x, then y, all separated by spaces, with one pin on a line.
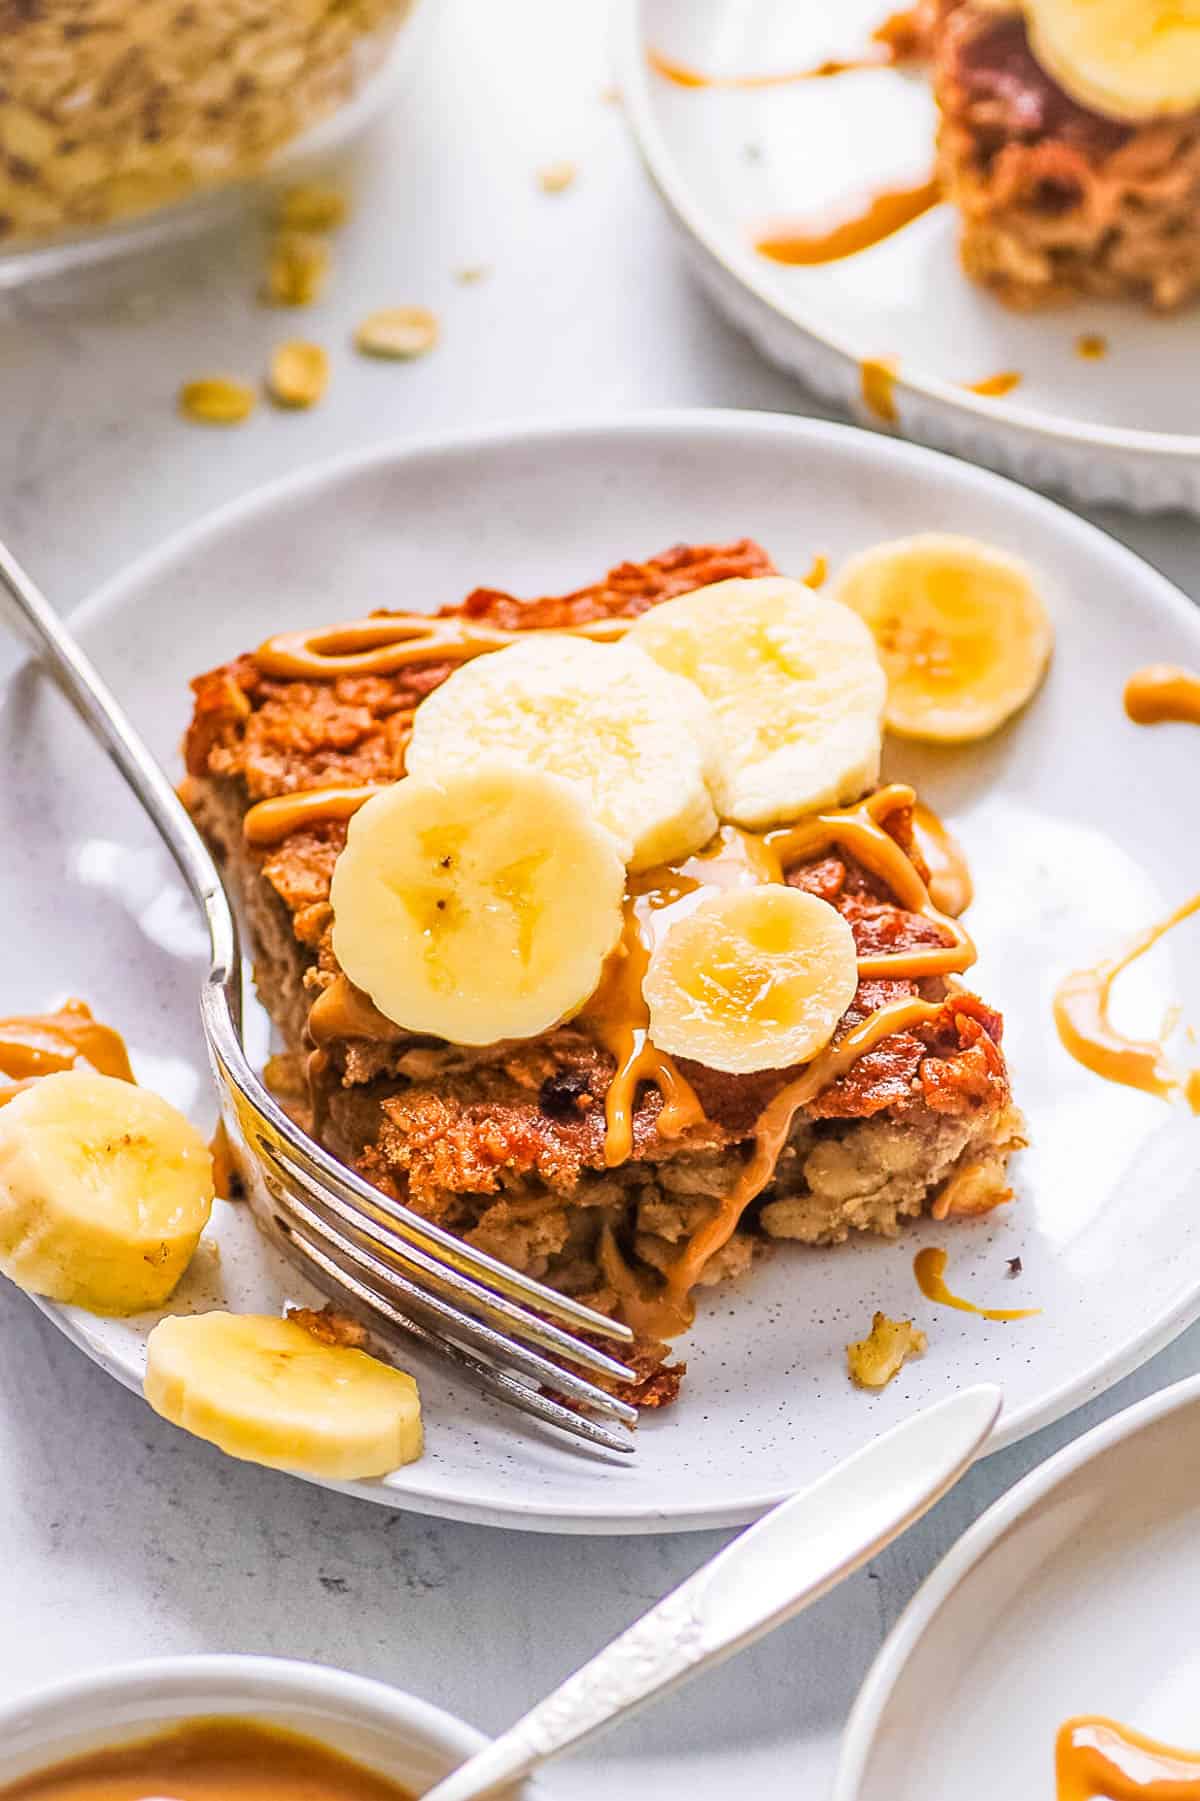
pixel 120 1537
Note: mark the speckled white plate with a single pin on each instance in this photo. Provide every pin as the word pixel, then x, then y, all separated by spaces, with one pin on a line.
pixel 1072 820
pixel 1063 1599
pixel 729 162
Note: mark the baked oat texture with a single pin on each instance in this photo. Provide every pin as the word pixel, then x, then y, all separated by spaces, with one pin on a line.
pixel 505 1144
pixel 1055 200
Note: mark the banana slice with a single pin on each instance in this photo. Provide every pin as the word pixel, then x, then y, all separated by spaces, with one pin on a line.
pixel 1131 59
pixel 641 742
pixel 267 1391
pixel 104 1191
pixel 752 978
pixel 477 908
pixel 796 687
pixel 962 631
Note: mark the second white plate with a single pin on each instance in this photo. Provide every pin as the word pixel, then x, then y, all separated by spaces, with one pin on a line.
pixel 1071 819
pixel 729 162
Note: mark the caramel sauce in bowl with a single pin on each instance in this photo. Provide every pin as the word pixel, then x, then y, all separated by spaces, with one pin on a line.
pixel 210 1760
pixel 228 1729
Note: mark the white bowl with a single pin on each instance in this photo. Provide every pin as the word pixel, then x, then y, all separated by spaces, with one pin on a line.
pixel 1071 1595
pixel 393 1733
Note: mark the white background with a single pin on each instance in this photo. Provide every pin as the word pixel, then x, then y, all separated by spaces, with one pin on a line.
pixel 119 1537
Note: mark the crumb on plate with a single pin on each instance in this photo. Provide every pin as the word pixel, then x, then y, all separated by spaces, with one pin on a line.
pixel 874 1360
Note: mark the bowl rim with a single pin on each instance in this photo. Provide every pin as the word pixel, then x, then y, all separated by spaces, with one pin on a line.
pixel 860 1735
pixel 633 78
pixel 258 1682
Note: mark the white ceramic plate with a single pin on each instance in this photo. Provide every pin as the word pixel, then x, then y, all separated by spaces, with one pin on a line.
pixel 1062 1600
pixel 728 162
pixel 1071 819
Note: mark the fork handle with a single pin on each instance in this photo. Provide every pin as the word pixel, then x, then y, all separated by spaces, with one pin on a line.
pixel 27 608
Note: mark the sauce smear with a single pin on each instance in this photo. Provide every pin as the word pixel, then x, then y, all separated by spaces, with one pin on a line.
pixel 210 1760
pixel 1091 347
pixel 1087 1032
pixel 950 884
pixel 878 384
pixel 44 1044
pixel 994 387
pixel 886 214
pixel 929 1268
pixel 899 39
pixel 1098 1758
pixel 1162 694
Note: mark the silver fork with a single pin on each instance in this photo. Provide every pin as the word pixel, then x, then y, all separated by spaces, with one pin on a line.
pixel 512 1335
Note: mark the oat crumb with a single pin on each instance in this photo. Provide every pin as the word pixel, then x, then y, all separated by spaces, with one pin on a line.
pixel 556 178
pixel 216 400
pixel 314 206
pixel 397 331
pixel 298 375
pixel 297 267
pixel 874 1360
pixel 472 274
pixel 330 1327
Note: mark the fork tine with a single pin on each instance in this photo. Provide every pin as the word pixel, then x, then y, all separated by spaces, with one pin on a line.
pixel 244 1098
pixel 386 1282
pixel 254 1101
pixel 497 1381
pixel 454 1286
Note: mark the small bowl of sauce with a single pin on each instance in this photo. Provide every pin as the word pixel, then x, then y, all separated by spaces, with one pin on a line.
pixel 228 1729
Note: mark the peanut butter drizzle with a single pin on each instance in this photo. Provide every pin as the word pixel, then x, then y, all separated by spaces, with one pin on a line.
pixel 929 1268
pixel 1096 1757
pixel 899 39
pixel 386 642
pixel 271 821
pixel 683 75
pixel 1163 694
pixel 950 884
pixel 1086 1031
pixel 883 216
pixel 43 1044
pixel 995 387
pixel 858 830
pixel 642 1312
pixel 877 376
pixel 617 1014
pixel 675 1310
